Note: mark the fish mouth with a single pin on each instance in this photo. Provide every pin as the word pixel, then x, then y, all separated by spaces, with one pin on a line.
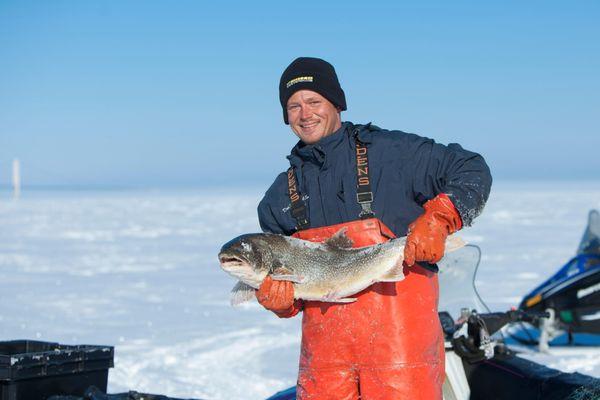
pixel 234 265
pixel 241 269
pixel 231 261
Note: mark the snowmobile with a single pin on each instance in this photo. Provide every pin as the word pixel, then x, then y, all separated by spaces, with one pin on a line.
pixel 479 366
pixel 571 296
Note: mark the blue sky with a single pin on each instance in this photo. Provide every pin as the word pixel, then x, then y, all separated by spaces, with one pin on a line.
pixel 159 93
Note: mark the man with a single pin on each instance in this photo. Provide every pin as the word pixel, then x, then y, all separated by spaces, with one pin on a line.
pixel 377 184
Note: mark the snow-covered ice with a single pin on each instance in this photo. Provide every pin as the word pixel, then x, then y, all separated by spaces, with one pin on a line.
pixel 138 270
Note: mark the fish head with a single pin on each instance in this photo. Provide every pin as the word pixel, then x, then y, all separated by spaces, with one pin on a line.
pixel 247 258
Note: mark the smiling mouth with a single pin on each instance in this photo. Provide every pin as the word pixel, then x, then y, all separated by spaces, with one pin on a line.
pixel 309 125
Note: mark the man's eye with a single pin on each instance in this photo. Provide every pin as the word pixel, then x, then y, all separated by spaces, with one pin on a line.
pixel 314 103
pixel 291 108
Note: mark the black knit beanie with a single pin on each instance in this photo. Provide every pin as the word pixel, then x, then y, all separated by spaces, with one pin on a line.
pixel 312 74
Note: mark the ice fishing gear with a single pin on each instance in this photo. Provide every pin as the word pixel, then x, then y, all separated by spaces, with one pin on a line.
pixel 478 366
pixel 572 295
pixel 278 296
pixel 427 234
pixel 364 193
pixel 32 369
pixel 389 334
pixel 471 335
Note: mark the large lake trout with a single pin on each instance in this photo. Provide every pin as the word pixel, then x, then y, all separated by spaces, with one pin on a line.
pixel 329 271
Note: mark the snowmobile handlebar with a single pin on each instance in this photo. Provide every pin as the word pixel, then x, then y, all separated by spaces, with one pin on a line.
pixel 471 334
pixel 492 322
pixel 495 321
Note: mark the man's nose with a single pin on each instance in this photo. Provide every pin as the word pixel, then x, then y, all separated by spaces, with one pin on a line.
pixel 306 112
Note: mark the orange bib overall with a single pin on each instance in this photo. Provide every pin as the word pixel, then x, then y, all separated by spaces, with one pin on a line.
pixel 386 345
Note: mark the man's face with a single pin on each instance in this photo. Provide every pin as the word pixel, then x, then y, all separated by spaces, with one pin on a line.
pixel 312 116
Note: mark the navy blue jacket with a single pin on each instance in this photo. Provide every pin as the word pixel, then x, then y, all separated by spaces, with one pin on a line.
pixel 406 170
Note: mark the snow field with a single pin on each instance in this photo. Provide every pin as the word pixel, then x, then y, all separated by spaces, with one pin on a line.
pixel 138 270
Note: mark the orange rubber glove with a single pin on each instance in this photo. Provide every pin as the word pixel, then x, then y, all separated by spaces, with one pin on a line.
pixel 278 296
pixel 426 239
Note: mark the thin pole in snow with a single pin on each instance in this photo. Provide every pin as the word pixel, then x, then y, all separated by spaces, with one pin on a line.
pixel 16 178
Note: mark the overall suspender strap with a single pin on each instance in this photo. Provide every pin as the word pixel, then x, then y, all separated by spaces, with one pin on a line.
pixel 364 195
pixel 298 208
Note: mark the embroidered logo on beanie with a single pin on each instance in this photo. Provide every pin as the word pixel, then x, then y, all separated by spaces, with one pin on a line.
pixel 298 80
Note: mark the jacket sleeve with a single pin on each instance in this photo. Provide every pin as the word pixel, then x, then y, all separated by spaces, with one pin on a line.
pixel 461 174
pixel 266 217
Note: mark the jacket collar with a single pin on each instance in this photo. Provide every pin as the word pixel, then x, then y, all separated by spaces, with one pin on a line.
pixel 317 153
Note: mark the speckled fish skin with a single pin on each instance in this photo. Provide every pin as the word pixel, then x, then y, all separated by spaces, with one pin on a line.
pixel 328 271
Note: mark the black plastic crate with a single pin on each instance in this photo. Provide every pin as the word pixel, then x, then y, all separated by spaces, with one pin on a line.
pixel 33 370
pixel 95 394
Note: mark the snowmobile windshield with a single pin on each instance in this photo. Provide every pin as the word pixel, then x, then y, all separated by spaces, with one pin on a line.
pixel 590 242
pixel 580 271
pixel 457 281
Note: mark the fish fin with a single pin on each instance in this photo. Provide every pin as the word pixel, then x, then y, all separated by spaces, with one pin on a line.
pixel 454 242
pixel 343 300
pixel 288 277
pixel 334 297
pixel 340 240
pixel 396 274
pixel 280 269
pixel 282 273
pixel 242 293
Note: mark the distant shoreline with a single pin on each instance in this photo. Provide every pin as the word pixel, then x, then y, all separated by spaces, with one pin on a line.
pixel 237 187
